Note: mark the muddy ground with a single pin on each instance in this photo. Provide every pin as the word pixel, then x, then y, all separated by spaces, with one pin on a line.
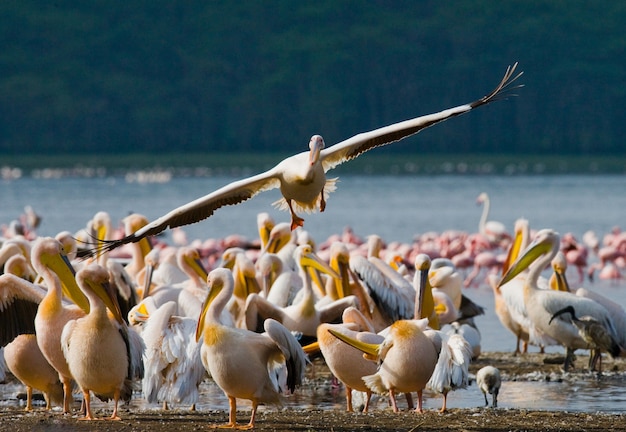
pixel 527 367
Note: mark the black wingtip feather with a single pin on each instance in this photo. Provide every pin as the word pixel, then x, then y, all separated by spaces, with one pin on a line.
pixel 504 89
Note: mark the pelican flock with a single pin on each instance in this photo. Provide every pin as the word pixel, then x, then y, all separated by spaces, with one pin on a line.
pixel 256 318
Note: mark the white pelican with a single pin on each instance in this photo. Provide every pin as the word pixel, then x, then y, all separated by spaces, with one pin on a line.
pixel 245 364
pixel 265 223
pixel 302 177
pixel 26 362
pixel 444 276
pixel 509 298
pixel 407 358
pixel 542 304
pixel 188 294
pixel 344 361
pixel 99 350
pixel 19 300
pixel 20 267
pixel 489 381
pixel 173 367
pixel 52 315
pixel 446 282
pixel 452 368
pixel 304 315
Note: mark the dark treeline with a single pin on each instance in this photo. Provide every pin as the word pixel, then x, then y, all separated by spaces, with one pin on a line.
pixel 223 76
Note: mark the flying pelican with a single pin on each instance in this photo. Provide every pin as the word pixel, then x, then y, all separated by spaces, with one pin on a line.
pixel 99 350
pixel 302 177
pixel 245 364
pixel 542 304
pixel 489 381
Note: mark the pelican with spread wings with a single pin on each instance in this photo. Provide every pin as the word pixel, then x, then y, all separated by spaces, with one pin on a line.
pixel 302 177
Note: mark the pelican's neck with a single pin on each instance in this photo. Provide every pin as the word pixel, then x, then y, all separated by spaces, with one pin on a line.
pixel 97 308
pixel 52 301
pixel 216 308
pixel 535 270
pixel 307 303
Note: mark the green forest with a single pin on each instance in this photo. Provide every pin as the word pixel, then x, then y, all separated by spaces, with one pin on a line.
pixel 102 77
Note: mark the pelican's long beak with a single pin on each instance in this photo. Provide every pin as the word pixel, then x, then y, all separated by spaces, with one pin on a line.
pixel 313 264
pixel 312 261
pixel 101 233
pixel 425 307
pixel 197 267
pixel 214 290
pixel 147 283
pixel 371 350
pixel 558 281
pixel 532 252
pixel 513 252
pixel 315 145
pixel 106 293
pixel 311 348
pixel 61 265
pixel 342 283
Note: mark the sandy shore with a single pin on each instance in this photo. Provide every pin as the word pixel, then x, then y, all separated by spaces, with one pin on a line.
pixel 288 419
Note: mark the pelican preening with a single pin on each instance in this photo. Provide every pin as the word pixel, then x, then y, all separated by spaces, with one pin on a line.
pixel 302 177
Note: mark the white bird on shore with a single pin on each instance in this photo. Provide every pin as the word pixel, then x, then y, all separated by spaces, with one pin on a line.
pixel 244 364
pixel 489 381
pixel 542 304
pixel 302 177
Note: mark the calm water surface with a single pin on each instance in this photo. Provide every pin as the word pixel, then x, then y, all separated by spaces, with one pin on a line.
pixel 397 208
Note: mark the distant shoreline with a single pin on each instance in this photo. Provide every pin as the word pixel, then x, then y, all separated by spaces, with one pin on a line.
pixel 245 164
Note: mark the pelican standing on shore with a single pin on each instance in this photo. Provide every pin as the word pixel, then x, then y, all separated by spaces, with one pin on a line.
pixel 302 177
pixel 52 314
pixel 542 304
pixel 99 351
pixel 244 364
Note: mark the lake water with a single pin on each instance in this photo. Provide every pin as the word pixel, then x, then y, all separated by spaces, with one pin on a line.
pixel 397 208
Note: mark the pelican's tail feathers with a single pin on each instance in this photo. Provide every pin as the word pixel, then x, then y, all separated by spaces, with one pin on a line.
pixel 375 384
